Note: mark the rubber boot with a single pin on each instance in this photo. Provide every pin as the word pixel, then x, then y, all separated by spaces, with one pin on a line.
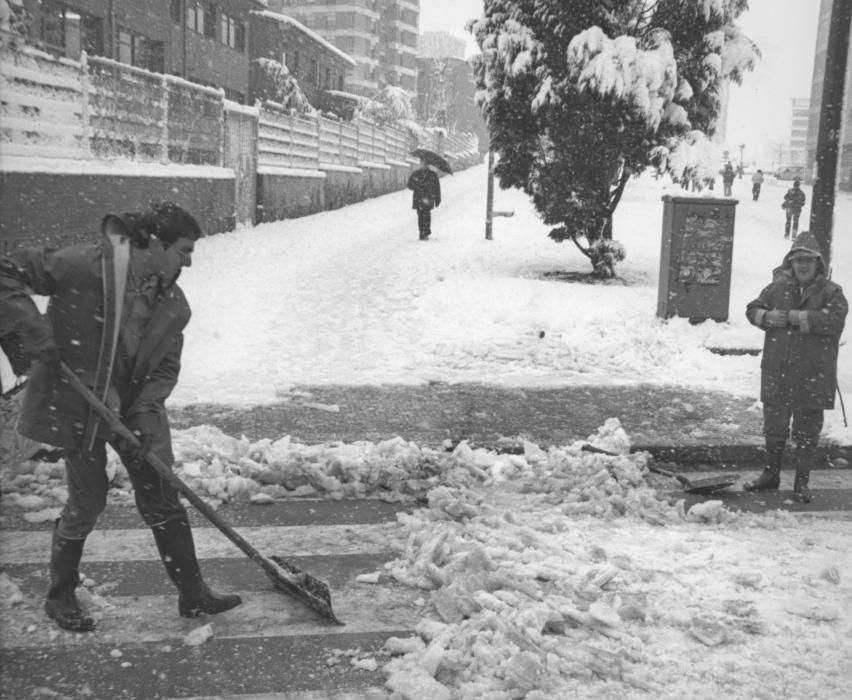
pixel 177 550
pixel 804 461
pixel 770 477
pixel 62 604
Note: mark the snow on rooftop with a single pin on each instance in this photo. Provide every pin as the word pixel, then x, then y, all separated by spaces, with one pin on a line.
pixel 308 32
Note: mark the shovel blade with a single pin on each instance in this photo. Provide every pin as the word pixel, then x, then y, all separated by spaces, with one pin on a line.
pixel 301 585
pixel 711 484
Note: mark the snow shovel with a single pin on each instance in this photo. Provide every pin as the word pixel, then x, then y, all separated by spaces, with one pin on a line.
pixel 288 578
pixel 706 485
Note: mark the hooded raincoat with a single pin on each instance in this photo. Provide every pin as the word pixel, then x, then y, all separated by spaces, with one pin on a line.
pixel 799 363
pixel 85 284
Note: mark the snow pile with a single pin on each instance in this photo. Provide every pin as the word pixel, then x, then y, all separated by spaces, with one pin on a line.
pixel 529 600
pixel 224 468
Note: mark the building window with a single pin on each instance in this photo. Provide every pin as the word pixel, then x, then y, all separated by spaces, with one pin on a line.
pixel 201 18
pixel 327 79
pixel 176 11
pixel 140 51
pixel 68 32
pixel 233 32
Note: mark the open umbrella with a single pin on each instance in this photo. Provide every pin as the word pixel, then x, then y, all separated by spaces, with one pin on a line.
pixel 433 158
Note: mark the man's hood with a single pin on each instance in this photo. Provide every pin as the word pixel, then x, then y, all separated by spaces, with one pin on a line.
pixel 805 242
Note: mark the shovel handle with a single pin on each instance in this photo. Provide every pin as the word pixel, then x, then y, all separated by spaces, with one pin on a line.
pixel 173 479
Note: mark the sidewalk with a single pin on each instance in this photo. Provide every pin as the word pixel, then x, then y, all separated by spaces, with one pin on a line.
pixel 687 427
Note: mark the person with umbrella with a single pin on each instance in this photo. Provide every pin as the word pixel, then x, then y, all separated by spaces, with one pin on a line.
pixel 426 193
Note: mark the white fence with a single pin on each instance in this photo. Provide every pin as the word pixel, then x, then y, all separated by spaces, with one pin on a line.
pixel 289 141
pixel 99 108
pixel 43 106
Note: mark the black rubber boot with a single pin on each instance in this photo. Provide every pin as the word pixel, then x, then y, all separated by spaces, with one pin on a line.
pixel 177 550
pixel 804 461
pixel 770 477
pixel 62 604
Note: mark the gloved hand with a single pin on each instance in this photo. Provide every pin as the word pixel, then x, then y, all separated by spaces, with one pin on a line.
pixel 775 318
pixel 793 317
pixel 144 426
pixel 37 340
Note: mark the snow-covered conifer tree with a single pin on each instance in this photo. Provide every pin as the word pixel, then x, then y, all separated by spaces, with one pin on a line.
pixel 581 94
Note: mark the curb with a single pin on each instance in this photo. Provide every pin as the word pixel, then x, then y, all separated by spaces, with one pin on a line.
pixel 736 456
pixel 721 457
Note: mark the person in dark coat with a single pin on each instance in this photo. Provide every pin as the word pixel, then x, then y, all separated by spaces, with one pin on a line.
pixel 115 317
pixel 426 195
pixel 756 184
pixel 794 200
pixel 728 178
pixel 802 314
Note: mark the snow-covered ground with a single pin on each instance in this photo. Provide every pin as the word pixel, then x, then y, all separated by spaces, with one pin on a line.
pixel 543 575
pixel 353 297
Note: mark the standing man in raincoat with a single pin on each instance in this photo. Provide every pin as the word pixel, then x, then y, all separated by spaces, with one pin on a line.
pixel 116 319
pixel 802 314
pixel 794 201
pixel 756 184
pixel 426 194
pixel 728 178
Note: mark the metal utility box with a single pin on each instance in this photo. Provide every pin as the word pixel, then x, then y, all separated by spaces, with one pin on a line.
pixel 695 262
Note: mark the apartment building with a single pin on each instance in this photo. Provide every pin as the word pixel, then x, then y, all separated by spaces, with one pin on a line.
pixel 206 42
pixel 317 65
pixel 381 35
pixel 799 131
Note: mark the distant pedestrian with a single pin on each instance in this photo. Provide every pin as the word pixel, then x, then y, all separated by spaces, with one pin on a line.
pixel 756 183
pixel 794 200
pixel 802 313
pixel 426 195
pixel 115 317
pixel 728 178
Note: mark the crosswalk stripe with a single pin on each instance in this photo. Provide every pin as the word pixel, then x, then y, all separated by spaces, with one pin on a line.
pixel 119 545
pixel 364 608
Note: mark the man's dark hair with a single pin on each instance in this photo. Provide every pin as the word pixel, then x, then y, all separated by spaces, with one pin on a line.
pixel 164 220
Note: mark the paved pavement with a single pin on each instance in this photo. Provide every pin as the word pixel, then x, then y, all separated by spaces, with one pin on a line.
pixel 273 647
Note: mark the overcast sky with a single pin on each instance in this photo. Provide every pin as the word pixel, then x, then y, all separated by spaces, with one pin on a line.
pixel 785 31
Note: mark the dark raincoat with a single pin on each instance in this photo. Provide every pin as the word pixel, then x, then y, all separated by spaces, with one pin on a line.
pixel 794 199
pixel 426 189
pixel 799 364
pixel 85 284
